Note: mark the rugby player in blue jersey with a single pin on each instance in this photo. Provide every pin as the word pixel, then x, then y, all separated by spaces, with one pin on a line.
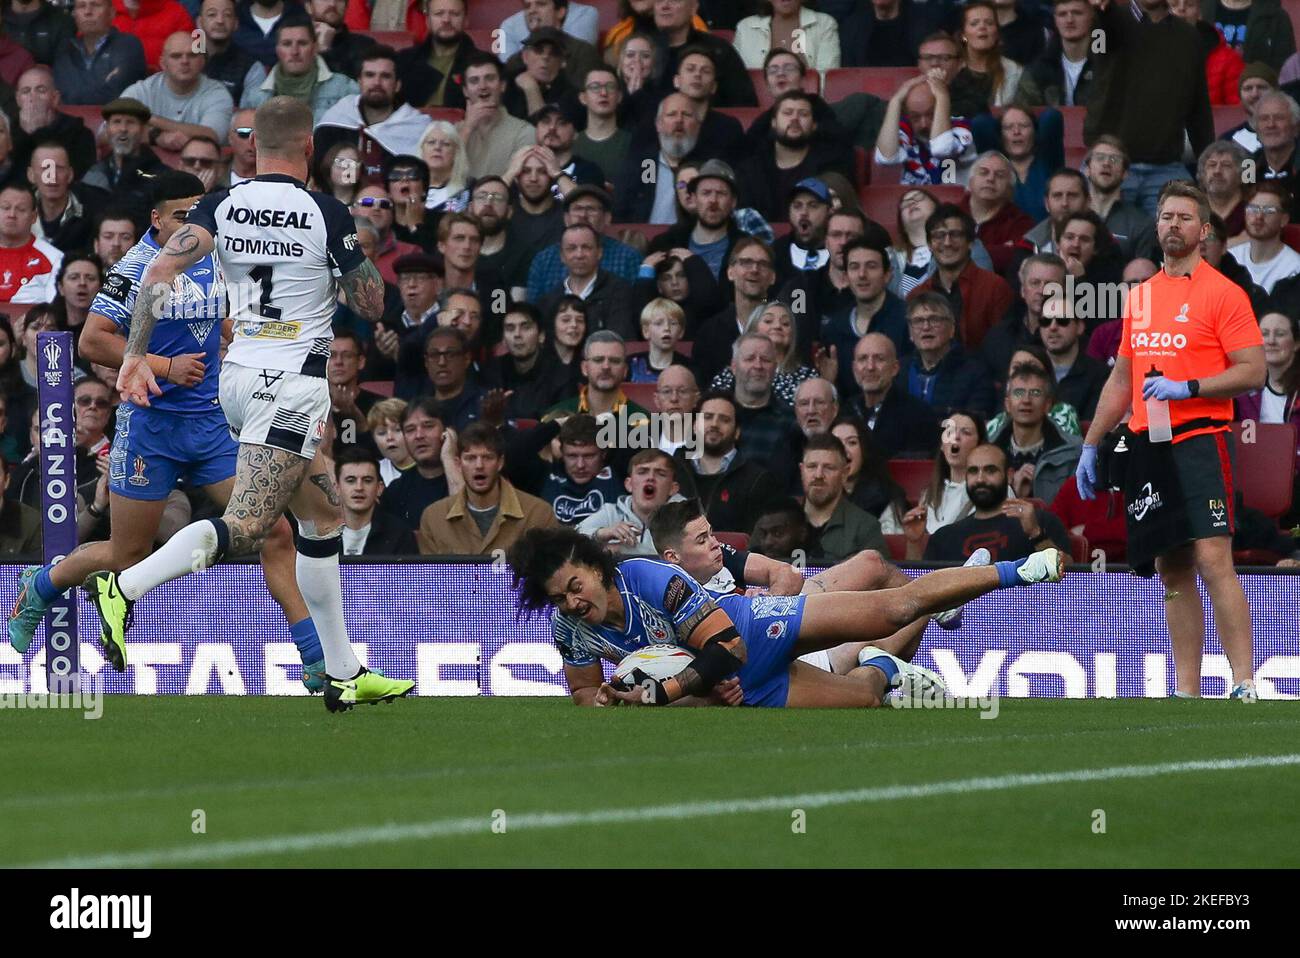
pixel 182 434
pixel 604 609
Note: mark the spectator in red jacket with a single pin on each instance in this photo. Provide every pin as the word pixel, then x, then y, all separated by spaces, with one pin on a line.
pixel 999 224
pixel 1223 64
pixel 152 22
pixel 361 18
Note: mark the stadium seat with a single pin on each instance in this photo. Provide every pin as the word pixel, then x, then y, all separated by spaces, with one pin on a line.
pixel 643 394
pixel 1226 117
pixel 780 230
pixel 897 543
pixel 1291 236
pixel 499 350
pixel 380 387
pixel 1260 557
pixel 490 13
pixel 737 540
pixel 526 423
pixel 812 83
pixel 1074 156
pixel 449 113
pixel 92 116
pixel 913 475
pixel 880 201
pixel 1073 124
pixel 648 230
pixel 745 114
pixel 15 310
pixel 1292 8
pixel 728 35
pixel 1079 548
pixel 686 347
pixel 882 81
pixel 397 39
pixel 636 347
pixel 1265 468
pixel 607 13
pixel 861 167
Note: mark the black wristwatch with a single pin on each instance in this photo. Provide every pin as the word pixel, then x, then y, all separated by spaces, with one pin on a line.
pixel 1193 388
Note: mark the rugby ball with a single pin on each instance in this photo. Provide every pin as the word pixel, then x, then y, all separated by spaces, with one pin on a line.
pixel 657 661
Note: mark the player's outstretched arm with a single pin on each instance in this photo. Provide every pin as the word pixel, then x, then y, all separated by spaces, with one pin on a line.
pixel 584 682
pixel 781 578
pixel 363 288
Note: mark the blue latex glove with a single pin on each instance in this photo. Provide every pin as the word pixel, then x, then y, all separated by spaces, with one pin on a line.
pixel 1161 388
pixel 1085 476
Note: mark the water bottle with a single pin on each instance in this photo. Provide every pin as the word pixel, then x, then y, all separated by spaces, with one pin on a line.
pixel 1159 428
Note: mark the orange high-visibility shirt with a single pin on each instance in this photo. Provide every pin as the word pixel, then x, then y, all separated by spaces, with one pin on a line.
pixel 1185 326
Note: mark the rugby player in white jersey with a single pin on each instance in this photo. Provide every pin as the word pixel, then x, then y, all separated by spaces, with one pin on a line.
pixel 286 252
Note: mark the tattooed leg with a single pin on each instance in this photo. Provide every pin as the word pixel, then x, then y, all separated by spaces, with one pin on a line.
pixel 266 481
pixel 317 500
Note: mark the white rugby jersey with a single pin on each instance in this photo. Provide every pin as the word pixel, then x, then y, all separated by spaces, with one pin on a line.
pixel 282 248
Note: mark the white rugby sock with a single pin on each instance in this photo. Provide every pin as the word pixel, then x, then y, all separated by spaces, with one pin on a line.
pixel 194 548
pixel 318 581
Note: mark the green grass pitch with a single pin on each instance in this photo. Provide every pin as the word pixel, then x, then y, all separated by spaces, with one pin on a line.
pixel 278 782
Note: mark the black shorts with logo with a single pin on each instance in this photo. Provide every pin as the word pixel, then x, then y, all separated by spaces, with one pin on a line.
pixel 1175 493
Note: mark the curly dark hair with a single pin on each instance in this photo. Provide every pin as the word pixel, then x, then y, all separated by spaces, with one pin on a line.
pixel 536 556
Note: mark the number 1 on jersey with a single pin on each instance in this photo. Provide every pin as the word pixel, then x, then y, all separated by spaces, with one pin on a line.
pixel 262 276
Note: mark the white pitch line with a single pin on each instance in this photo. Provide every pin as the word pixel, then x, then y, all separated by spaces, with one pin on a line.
pixel 201 853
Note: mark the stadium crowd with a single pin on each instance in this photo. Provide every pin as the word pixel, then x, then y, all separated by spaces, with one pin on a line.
pixel 679 249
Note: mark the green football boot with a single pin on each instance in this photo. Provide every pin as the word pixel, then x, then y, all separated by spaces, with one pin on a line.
pixel 366 688
pixel 114 615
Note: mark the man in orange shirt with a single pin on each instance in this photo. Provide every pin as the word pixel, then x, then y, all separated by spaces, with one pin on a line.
pixel 1190 339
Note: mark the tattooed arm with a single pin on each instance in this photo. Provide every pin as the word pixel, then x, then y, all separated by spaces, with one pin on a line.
pixel 187 246
pixel 363 288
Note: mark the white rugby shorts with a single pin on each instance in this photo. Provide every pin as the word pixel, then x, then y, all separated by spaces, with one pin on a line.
pixel 272 407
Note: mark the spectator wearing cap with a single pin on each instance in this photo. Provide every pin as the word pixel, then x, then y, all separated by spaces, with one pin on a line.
pixel 39 120
pixel 675 33
pixel 590 205
pixel 124 174
pixel 38 26
pixel 436 71
pixel 817 35
pixel 375 120
pixel 580 52
pixel 399 339
pixel 101 61
pixel 608 298
pixel 492 137
pixel 299 72
pixel 28 266
pixel 1255 80
pixel 977 297
pixel 556 134
pixel 999 223
pixel 375 204
pixel 714 231
pixel 62 217
pixel 577 20
pixel 407 179
pixel 183 103
pixel 808 209
pixel 602 140
pixel 793 153
pixel 227 62
pixel 542 79
pixel 639 198
pixel 257 22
